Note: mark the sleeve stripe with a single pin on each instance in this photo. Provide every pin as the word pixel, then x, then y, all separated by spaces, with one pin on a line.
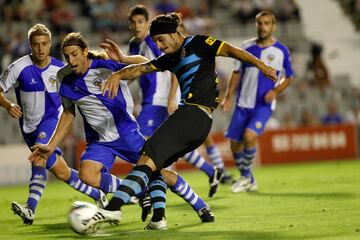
pixel 219 49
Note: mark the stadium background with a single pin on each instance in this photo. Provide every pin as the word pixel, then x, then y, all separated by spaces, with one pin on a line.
pixel 296 133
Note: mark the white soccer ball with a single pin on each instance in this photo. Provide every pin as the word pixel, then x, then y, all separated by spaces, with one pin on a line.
pixel 79 215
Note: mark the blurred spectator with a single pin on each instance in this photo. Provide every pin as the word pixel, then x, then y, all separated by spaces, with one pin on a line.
pixel 184 9
pixel 103 15
pixel 316 67
pixel 121 15
pixel 307 119
pixel 19 45
pixel 332 116
pixel 353 115
pixel 61 17
pixel 165 6
pixel 34 9
pixel 289 10
pixel 245 10
pixel 288 121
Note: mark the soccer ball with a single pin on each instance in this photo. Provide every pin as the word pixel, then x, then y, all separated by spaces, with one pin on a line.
pixel 79 215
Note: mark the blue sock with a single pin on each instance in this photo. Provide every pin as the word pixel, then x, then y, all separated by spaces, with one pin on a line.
pixel 215 156
pixel 157 190
pixel 37 185
pixel 78 185
pixel 238 158
pixel 183 189
pixel 195 159
pixel 248 156
pixel 132 185
pixel 109 183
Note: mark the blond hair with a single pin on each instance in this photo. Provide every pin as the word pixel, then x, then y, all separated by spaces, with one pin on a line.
pixel 38 30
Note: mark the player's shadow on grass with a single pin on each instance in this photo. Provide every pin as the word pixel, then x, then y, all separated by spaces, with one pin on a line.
pixel 335 195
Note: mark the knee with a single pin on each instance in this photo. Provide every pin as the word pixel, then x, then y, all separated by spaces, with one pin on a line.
pixel 250 139
pixel 62 174
pixel 86 177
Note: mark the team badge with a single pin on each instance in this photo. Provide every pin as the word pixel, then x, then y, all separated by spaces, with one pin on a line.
pixel 52 80
pixel 270 57
pixel 97 82
pixel 42 135
pixel 258 125
pixel 189 95
pixel 210 41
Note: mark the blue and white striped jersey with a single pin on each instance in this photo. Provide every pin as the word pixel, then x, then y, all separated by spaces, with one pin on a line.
pixel 253 84
pixel 35 90
pixel 154 86
pixel 105 120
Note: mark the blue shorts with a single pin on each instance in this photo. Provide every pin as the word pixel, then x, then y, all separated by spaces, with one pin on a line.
pixel 127 148
pixel 150 118
pixel 42 135
pixel 243 118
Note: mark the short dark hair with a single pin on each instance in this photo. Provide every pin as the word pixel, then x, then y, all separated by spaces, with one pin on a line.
pixel 138 10
pixel 266 13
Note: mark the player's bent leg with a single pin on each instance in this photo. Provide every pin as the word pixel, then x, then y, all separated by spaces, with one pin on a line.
pixel 180 187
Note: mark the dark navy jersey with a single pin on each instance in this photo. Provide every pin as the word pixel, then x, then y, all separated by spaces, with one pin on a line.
pixel 194 67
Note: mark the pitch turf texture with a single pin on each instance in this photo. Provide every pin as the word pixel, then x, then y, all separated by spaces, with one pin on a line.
pixel 307 201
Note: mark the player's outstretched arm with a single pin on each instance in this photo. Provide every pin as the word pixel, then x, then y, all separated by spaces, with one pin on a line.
pixel 111 85
pixel 114 52
pixel 229 93
pixel 228 50
pixel 42 152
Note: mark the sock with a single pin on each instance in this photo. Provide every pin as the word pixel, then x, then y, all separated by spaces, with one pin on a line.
pixel 238 158
pixel 78 185
pixel 157 190
pixel 132 185
pixel 37 185
pixel 215 156
pixel 248 156
pixel 183 189
pixel 109 183
pixel 195 159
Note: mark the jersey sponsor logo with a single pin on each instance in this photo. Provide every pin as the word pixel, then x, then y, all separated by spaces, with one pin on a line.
pixel 52 80
pixel 210 41
pixel 258 125
pixel 42 135
pixel 190 95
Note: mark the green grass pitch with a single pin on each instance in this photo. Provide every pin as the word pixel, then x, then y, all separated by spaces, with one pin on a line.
pixel 302 201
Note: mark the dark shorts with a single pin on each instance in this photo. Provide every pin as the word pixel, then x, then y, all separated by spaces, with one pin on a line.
pixel 182 132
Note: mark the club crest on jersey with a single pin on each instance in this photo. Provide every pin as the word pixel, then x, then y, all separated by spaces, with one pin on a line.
pixel 270 57
pixel 258 125
pixel 97 82
pixel 42 135
pixel 210 41
pixel 52 80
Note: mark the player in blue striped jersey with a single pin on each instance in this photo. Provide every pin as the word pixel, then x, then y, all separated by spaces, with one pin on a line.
pixel 256 96
pixel 38 111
